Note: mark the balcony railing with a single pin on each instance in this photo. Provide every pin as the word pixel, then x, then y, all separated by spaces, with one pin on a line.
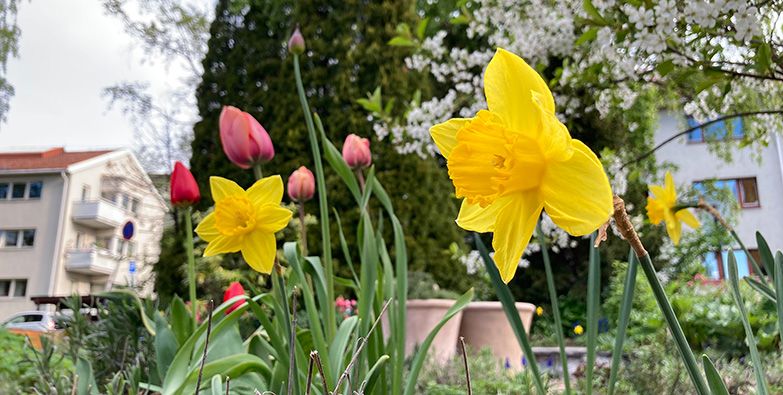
pixel 99 214
pixel 91 261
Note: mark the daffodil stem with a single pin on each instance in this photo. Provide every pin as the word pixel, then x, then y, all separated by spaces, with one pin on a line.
pixel 302 229
pixel 326 242
pixel 625 312
pixel 550 282
pixel 191 265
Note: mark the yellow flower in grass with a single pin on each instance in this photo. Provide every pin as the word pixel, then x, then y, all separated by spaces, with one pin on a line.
pixel 578 330
pixel 245 220
pixel 513 160
pixel 660 207
pixel 539 311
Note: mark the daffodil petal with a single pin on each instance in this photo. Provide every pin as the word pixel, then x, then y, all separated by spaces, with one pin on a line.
pixel 445 134
pixel 513 229
pixel 670 190
pixel 268 190
pixel 687 217
pixel 222 187
pixel 223 244
pixel 206 229
pixel 576 192
pixel 654 210
pixel 673 227
pixel 259 251
pixel 658 191
pixel 272 218
pixel 509 84
pixel 475 218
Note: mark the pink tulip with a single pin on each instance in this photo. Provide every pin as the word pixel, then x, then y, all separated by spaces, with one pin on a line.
pixel 301 185
pixel 356 152
pixel 183 187
pixel 244 140
pixel 234 289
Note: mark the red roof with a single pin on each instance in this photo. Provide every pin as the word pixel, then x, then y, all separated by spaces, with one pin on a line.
pixel 55 158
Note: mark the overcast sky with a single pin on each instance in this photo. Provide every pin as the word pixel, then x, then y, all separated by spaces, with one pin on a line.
pixel 69 51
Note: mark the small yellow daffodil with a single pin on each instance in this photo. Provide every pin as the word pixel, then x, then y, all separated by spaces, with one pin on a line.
pixel 516 158
pixel 245 220
pixel 539 311
pixel 660 207
pixel 578 330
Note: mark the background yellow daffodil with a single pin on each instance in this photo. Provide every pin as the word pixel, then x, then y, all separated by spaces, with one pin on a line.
pixel 660 207
pixel 245 220
pixel 516 158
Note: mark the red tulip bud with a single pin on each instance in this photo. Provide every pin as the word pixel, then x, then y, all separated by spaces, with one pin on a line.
pixel 184 189
pixel 356 152
pixel 296 43
pixel 234 289
pixel 301 185
pixel 244 140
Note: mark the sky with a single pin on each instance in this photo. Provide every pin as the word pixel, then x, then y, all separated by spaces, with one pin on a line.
pixel 68 53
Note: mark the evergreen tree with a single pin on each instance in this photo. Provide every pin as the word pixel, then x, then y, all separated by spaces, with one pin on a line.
pixel 247 65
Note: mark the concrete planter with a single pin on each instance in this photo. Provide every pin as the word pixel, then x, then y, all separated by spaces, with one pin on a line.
pixel 423 315
pixel 484 324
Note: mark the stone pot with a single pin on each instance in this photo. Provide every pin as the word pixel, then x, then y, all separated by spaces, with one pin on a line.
pixel 423 315
pixel 484 324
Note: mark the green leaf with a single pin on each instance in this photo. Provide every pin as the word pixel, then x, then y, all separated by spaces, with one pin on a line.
pixel 86 380
pixel 665 67
pixel 625 313
pixel 401 42
pixel 767 260
pixel 717 386
pixel 335 159
pixel 459 20
pixel 761 288
pixel 217 385
pixel 587 36
pixel 124 293
pixel 165 343
pixel 233 366
pixel 779 291
pixel 758 368
pixel 344 246
pixel 421 354
pixel 181 320
pixel 509 306
pixel 337 350
pixel 593 13
pixel 372 376
pixel 421 28
pixel 763 57
pixel 593 304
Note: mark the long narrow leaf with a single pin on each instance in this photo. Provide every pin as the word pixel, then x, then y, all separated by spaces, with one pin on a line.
pixel 779 291
pixel 767 260
pixel 421 354
pixel 625 313
pixel 593 304
pixel 758 368
pixel 504 295
pixel 372 375
pixel 761 288
pixel 717 386
pixel 674 326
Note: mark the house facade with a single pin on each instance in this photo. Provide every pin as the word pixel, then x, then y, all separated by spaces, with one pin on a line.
pixel 756 185
pixel 75 222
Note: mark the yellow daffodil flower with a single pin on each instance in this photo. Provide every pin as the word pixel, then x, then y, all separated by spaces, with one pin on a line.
pixel 578 330
pixel 661 208
pixel 539 311
pixel 245 220
pixel 516 158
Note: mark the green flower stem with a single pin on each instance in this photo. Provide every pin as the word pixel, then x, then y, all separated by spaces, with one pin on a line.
pixel 550 282
pixel 756 267
pixel 331 325
pixel 593 305
pixel 257 171
pixel 625 313
pixel 718 217
pixel 191 264
pixel 674 326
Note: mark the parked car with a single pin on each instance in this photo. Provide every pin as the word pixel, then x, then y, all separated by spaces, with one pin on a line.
pixel 40 321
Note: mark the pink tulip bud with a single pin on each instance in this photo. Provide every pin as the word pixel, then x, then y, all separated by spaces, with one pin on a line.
pixel 244 140
pixel 184 189
pixel 356 152
pixel 301 185
pixel 234 289
pixel 296 43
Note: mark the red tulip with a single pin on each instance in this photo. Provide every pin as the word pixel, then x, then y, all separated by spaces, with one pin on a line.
pixel 234 289
pixel 296 43
pixel 356 152
pixel 301 185
pixel 244 140
pixel 184 189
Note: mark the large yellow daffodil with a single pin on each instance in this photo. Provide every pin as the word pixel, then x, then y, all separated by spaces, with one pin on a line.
pixel 245 220
pixel 513 160
pixel 661 208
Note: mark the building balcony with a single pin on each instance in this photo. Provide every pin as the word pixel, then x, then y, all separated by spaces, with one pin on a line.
pixel 98 214
pixel 91 261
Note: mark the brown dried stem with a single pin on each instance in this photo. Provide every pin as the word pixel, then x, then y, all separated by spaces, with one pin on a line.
pixel 625 227
pixel 362 342
pixel 465 360
pixel 206 345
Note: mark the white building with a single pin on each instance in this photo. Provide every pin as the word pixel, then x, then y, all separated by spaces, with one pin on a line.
pixel 758 186
pixel 75 222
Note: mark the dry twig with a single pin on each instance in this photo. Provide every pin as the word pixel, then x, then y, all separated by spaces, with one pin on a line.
pixel 206 345
pixel 362 342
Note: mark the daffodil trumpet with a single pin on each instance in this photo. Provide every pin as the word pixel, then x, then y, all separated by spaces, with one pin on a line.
pixel 515 159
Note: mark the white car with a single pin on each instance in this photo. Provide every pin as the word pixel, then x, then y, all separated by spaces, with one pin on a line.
pixel 40 321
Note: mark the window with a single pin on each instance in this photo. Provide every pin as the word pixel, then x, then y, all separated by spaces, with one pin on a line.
pixel 17 238
pixel 717 264
pixel 718 131
pixel 20 190
pixel 16 288
pixel 744 190
pixel 134 205
pixel 85 192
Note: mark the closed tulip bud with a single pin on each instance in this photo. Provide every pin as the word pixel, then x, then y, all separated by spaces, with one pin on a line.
pixel 244 140
pixel 301 185
pixel 296 43
pixel 184 189
pixel 234 289
pixel 356 152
